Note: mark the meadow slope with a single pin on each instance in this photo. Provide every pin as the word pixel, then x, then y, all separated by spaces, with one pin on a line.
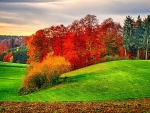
pixel 115 80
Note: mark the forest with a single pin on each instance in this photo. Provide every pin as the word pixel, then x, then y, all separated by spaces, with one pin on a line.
pixel 86 42
pixel 82 43
pixel 13 48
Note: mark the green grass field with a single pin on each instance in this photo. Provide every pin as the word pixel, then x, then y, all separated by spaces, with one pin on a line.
pixel 115 80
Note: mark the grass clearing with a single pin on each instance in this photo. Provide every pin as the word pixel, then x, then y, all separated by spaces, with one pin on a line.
pixel 11 75
pixel 115 80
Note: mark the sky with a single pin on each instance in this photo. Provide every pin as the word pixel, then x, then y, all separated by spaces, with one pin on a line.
pixel 25 17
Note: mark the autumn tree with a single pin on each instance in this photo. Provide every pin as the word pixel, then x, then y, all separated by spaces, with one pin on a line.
pixel 112 36
pixel 58 33
pixel 8 57
pixel 44 74
pixel 37 47
pixel 88 43
pixel 93 42
pixel 24 41
pixel 82 43
pixel 69 50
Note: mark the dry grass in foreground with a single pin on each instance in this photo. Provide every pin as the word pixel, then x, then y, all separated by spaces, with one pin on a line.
pixel 127 106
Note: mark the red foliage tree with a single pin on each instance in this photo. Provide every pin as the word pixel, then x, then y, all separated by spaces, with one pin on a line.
pixel 111 33
pixel 7 57
pixel 37 49
pixel 5 44
pixel 69 49
pixel 82 43
pixel 24 41
pixel 58 33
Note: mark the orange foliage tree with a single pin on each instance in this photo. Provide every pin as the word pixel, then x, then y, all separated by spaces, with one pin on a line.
pixel 37 47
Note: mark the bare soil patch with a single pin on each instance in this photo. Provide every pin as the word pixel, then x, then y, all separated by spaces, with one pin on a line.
pixel 126 106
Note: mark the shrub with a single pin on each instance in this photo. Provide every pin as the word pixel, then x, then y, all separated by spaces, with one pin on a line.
pixel 112 58
pixel 34 80
pixel 54 67
pixel 45 74
pixel 109 58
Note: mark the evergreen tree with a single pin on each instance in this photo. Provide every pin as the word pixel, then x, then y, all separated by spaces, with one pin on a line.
pixel 147 35
pixel 128 33
pixel 138 34
pixel 19 55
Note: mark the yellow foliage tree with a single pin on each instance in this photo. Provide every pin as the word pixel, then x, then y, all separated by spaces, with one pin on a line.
pixel 45 74
pixel 11 59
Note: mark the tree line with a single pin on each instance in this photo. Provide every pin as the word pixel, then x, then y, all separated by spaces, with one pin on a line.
pixel 13 48
pixel 82 43
pixel 136 37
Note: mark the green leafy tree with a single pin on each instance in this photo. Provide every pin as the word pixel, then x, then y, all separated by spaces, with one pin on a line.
pixel 19 55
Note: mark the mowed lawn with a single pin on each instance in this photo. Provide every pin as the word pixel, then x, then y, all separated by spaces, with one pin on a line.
pixel 115 80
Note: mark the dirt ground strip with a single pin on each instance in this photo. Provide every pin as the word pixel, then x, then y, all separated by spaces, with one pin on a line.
pixel 127 106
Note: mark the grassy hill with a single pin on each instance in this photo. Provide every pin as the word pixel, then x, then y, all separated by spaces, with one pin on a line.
pixel 116 80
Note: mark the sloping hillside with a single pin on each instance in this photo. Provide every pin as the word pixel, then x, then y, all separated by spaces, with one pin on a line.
pixel 116 80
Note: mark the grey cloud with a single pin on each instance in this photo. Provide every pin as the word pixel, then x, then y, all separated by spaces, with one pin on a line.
pixel 27 1
pixel 132 7
pixel 21 13
pixel 19 8
pixel 44 13
pixel 12 21
pixel 111 7
pixel 33 13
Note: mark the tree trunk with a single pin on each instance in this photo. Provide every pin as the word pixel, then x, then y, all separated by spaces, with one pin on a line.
pixel 125 53
pixel 146 54
pixel 138 54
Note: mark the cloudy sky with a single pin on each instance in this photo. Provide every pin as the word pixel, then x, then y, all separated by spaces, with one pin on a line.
pixel 25 17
